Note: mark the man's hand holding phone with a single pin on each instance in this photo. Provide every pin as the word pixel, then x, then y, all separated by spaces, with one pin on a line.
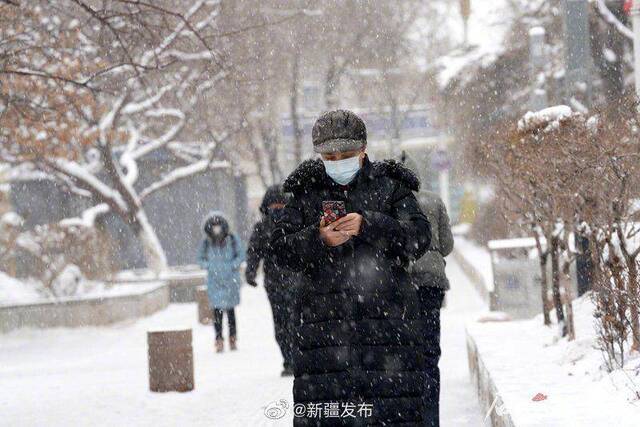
pixel 349 224
pixel 330 236
pixel 336 226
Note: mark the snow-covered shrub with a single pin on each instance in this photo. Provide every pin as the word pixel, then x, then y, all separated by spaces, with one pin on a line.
pixel 68 281
pixel 538 182
pixel 611 314
pixel 613 222
pixel 60 256
pixel 570 174
pixel 548 119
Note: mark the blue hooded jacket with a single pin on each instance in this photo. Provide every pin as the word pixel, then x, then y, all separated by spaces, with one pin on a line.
pixel 222 258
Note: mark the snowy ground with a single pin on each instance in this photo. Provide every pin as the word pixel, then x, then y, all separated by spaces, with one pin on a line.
pixel 13 291
pixel 458 399
pixel 98 376
pixel 525 358
pixel 479 257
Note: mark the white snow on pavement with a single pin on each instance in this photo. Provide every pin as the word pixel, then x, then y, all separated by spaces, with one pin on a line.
pixel 458 399
pixel 98 376
pixel 13 291
pixel 525 358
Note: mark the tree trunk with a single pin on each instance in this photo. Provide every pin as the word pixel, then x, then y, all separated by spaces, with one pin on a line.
pixel 544 287
pixel 152 249
pixel 568 293
pixel 571 329
pixel 328 87
pixel 337 67
pixel 272 154
pixel 634 300
pixel 555 284
pixel 396 128
pixel 543 257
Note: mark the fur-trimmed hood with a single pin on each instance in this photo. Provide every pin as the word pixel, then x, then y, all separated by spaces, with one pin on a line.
pixel 397 171
pixel 215 218
pixel 311 174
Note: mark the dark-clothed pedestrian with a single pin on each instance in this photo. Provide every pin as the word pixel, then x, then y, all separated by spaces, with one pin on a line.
pixel 279 282
pixel 359 324
pixel 429 276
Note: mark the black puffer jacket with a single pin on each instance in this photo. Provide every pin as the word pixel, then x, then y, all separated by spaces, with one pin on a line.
pixel 260 249
pixel 359 320
pixel 275 277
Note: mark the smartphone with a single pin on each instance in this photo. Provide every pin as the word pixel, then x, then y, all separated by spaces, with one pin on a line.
pixel 333 210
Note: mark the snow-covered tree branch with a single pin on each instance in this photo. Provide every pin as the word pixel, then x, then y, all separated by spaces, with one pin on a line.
pixel 89 92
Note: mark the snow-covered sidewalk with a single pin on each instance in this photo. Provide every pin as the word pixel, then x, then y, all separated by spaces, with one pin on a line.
pixel 458 400
pixel 98 376
pixel 525 358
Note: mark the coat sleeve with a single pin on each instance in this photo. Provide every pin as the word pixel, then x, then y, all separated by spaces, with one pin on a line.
pixel 202 254
pixel 405 232
pixel 444 231
pixel 297 246
pixel 241 254
pixel 255 252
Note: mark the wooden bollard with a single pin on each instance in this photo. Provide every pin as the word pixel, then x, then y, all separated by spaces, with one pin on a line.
pixel 204 310
pixel 170 361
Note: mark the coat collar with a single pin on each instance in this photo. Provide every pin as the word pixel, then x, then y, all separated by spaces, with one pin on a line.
pixel 311 174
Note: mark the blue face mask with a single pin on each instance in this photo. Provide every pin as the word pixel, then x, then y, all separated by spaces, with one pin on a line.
pixel 342 171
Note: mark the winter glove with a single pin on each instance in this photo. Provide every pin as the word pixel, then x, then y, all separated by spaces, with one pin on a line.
pixel 252 283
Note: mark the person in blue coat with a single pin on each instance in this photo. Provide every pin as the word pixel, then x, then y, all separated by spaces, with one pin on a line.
pixel 221 253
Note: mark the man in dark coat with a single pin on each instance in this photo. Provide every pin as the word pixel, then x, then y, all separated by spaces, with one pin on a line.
pixel 278 282
pixel 429 277
pixel 359 325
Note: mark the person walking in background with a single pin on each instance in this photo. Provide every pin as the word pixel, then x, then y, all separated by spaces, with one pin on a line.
pixel 351 227
pixel 221 254
pixel 278 282
pixel 429 276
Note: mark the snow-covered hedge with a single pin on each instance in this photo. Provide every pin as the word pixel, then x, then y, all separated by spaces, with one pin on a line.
pixel 565 174
pixel 57 258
